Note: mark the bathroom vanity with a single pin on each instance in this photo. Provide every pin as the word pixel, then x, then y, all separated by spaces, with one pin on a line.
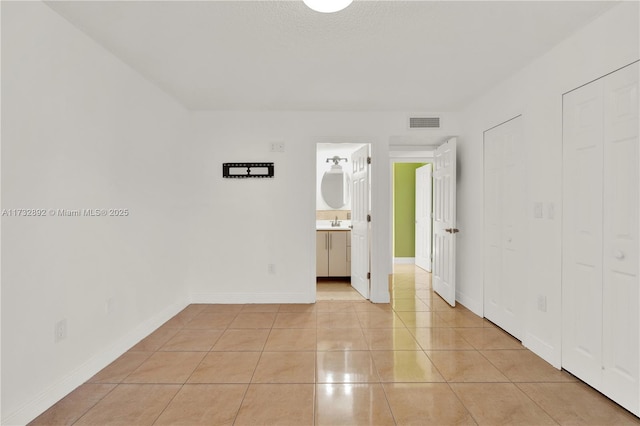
pixel 333 252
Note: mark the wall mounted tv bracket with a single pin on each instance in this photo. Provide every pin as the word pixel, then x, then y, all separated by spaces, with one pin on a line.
pixel 247 170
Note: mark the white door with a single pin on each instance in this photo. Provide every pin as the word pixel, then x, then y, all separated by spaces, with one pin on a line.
pixel 423 217
pixel 504 226
pixel 359 221
pixel 444 221
pixel 582 233
pixel 621 321
pixel 600 297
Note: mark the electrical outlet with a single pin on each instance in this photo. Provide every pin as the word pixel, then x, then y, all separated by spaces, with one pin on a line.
pixel 271 268
pixel 60 330
pixel 276 147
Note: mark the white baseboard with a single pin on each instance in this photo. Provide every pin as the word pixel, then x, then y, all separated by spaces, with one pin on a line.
pixel 473 305
pixel 543 349
pixel 235 298
pixel 403 260
pixel 58 390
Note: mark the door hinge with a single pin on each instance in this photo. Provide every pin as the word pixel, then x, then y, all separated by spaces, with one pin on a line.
pixel 368 218
pixel 368 275
pixel 368 160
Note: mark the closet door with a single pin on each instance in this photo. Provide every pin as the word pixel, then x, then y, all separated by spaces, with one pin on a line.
pixel 504 211
pixel 600 297
pixel 582 233
pixel 621 357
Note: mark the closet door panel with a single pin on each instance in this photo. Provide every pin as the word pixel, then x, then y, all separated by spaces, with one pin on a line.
pixel 513 254
pixel 492 223
pixel 504 223
pixel 621 364
pixel 582 233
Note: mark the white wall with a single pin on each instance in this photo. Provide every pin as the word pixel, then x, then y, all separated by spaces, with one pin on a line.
pixel 608 43
pixel 243 225
pixel 82 130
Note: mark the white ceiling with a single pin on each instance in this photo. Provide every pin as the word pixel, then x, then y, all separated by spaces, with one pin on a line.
pixel 374 55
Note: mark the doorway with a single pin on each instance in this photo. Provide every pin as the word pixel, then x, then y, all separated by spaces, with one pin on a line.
pixel 400 155
pixel 342 248
pixel 404 211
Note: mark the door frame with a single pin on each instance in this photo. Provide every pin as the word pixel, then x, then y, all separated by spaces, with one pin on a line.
pixel 355 141
pixel 404 154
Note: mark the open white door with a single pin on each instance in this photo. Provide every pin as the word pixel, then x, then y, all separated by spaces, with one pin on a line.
pixel 444 221
pixel 423 217
pixel 360 222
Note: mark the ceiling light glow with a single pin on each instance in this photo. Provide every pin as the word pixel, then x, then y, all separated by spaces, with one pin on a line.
pixel 327 6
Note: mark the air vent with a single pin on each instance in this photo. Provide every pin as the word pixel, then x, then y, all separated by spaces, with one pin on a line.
pixel 424 122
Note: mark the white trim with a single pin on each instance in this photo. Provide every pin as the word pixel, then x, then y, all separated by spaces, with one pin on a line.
pixel 475 306
pixel 543 349
pixel 404 260
pixel 61 388
pixel 252 297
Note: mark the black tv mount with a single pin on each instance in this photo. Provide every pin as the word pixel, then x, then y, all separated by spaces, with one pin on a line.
pixel 247 170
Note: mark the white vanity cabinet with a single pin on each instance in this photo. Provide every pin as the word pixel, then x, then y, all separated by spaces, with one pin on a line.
pixel 333 253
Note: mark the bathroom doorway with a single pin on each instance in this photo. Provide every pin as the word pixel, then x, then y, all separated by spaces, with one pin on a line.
pixel 339 189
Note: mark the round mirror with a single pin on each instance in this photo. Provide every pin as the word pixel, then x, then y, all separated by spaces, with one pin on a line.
pixel 335 187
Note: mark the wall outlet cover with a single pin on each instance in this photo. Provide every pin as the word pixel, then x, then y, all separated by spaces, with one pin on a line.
pixel 60 330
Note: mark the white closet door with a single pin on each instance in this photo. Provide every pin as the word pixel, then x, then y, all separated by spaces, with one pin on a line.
pixel 504 226
pixel 600 297
pixel 582 233
pixel 621 357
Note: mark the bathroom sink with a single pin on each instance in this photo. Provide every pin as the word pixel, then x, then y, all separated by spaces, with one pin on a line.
pixel 325 225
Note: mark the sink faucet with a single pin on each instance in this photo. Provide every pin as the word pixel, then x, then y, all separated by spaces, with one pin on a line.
pixel 335 222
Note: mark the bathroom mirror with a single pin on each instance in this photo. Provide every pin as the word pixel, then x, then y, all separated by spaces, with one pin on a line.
pixel 335 187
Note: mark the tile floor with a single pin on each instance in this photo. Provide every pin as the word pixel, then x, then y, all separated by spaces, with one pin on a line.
pixel 415 361
pixel 336 289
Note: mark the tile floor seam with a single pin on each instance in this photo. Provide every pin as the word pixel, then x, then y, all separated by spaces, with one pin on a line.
pixel 386 398
pixel 435 366
pixel 250 379
pixel 90 408
pixel 463 404
pixel 538 405
pixel 168 403
pixel 496 367
pixel 244 395
pixel 196 368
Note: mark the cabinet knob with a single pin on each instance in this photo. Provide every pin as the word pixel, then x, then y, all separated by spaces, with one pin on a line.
pixel 618 254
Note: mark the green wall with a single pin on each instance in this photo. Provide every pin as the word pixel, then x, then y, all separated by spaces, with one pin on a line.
pixel 404 208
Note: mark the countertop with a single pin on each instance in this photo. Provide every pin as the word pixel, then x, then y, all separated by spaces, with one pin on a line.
pixel 325 225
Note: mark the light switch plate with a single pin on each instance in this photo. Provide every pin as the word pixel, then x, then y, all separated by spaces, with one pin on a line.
pixel 537 210
pixel 276 147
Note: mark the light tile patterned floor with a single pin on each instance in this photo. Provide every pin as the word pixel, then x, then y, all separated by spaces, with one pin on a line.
pixel 336 289
pixel 414 361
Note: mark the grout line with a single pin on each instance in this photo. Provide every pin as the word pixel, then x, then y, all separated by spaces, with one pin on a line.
pixel 90 408
pixel 168 403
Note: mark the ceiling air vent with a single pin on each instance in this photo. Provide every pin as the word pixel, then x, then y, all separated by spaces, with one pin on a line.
pixel 424 122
